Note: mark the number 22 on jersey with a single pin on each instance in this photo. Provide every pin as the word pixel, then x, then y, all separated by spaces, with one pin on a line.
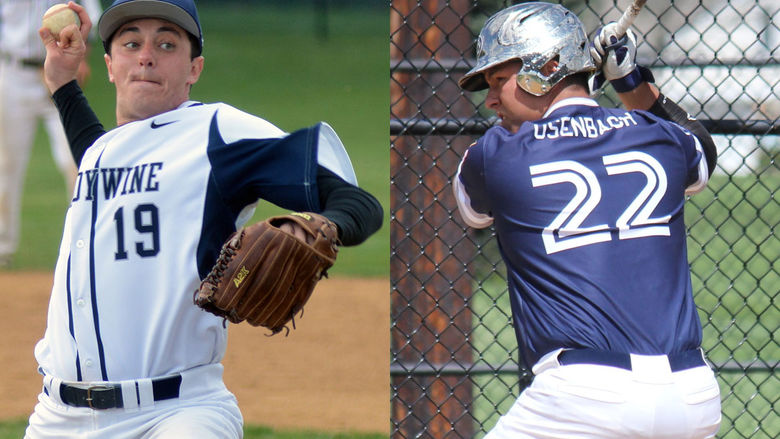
pixel 566 232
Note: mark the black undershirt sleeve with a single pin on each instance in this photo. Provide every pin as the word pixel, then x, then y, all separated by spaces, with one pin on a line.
pixel 666 109
pixel 82 126
pixel 356 212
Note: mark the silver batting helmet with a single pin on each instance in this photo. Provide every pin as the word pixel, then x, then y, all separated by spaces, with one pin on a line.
pixel 534 33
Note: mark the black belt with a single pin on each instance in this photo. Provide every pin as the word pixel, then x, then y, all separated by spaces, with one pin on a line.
pixel 677 362
pixel 109 395
pixel 24 62
pixel 33 63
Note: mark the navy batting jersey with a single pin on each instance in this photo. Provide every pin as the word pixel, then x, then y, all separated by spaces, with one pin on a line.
pixel 588 209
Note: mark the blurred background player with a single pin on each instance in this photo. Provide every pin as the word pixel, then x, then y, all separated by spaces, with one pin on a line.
pixel 24 102
pixel 587 204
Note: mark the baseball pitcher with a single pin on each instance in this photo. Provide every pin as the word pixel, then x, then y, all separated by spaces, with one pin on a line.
pixel 587 205
pixel 157 215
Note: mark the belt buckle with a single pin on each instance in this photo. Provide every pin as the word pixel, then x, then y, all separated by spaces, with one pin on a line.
pixel 90 389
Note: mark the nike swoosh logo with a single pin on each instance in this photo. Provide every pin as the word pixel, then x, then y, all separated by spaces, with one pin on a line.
pixel 156 125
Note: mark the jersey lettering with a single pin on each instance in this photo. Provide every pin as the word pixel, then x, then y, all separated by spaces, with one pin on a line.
pixel 566 232
pixel 136 179
pixel 91 176
pixel 111 178
pixel 581 126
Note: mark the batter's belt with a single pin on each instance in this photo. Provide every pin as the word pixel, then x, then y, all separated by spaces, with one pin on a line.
pixel 677 362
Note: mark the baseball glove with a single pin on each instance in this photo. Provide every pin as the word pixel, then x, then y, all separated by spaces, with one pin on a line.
pixel 265 275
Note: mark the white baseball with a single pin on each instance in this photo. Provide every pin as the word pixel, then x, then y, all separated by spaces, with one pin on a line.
pixel 58 17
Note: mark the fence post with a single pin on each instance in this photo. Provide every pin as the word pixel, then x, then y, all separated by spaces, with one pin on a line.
pixel 430 314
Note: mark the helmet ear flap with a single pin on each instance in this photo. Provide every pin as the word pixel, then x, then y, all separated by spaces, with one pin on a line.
pixel 539 82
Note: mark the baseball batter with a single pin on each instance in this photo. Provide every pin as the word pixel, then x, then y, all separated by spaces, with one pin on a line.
pixel 126 353
pixel 587 205
pixel 24 102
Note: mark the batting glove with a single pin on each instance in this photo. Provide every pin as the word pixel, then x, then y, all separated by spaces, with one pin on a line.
pixel 615 57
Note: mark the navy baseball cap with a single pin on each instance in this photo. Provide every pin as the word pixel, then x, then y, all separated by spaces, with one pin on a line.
pixel 180 12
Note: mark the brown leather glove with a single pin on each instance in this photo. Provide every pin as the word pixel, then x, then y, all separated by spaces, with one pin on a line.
pixel 265 274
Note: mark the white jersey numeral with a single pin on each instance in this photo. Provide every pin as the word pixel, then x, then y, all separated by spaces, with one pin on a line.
pixel 567 225
pixel 566 232
pixel 646 200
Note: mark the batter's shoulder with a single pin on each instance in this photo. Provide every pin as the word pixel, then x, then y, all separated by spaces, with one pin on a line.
pixel 669 127
pixel 498 137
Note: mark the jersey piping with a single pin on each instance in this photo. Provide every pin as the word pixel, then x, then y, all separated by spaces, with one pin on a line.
pixel 70 319
pixel 92 278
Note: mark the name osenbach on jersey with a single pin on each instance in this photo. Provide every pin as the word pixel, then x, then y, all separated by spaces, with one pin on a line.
pixel 117 181
pixel 581 126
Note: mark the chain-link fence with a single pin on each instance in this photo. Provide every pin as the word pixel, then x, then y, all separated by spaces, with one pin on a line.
pixel 455 365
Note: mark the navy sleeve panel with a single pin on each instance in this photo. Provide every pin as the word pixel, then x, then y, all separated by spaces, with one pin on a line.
pixel 666 109
pixel 356 212
pixel 687 141
pixel 215 228
pixel 282 170
pixel 82 126
pixel 692 155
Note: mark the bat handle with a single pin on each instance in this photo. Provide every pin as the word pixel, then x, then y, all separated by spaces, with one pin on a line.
pixel 627 19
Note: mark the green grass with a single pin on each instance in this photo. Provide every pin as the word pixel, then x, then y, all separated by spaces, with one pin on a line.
pixel 735 264
pixel 14 429
pixel 734 255
pixel 268 62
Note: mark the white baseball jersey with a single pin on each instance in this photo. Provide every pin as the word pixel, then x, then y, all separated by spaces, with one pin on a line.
pixel 154 201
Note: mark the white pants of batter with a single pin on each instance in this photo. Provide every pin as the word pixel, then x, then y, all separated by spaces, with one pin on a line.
pixel 24 102
pixel 590 401
pixel 205 409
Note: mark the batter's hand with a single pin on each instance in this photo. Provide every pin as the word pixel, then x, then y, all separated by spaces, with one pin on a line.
pixel 615 55
pixel 65 56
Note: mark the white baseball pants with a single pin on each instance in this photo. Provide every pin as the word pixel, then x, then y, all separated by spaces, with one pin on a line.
pixel 602 402
pixel 24 102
